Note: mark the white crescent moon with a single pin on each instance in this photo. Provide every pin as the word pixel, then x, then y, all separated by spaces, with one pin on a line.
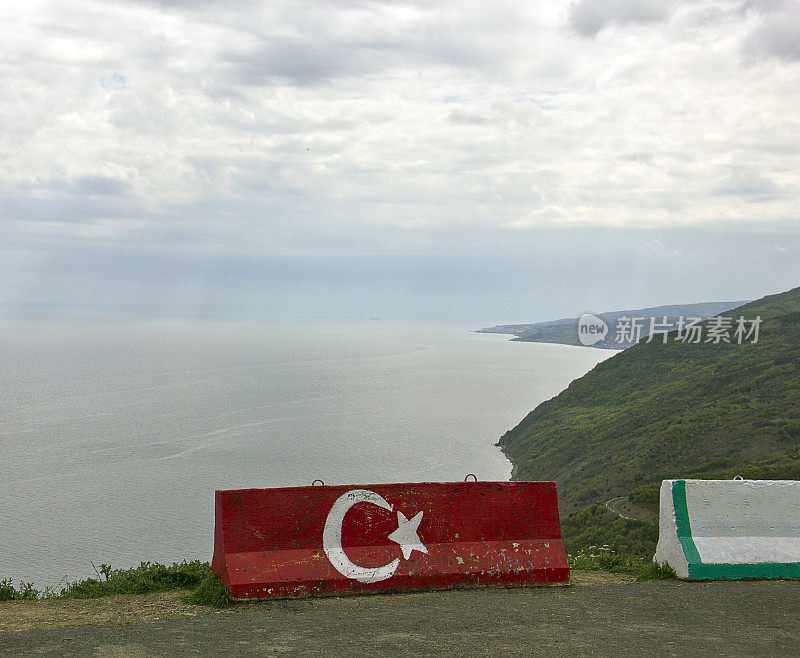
pixel 332 538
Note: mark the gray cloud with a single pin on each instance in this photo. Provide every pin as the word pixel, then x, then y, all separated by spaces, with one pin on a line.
pixel 99 185
pixel 300 61
pixel 588 17
pixel 777 35
pixel 467 118
pixel 745 182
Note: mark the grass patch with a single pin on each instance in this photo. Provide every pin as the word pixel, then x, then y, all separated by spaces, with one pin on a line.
pixel 604 559
pixel 210 592
pixel 147 577
pixel 653 571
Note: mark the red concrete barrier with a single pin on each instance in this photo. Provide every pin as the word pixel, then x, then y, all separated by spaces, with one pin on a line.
pixel 301 541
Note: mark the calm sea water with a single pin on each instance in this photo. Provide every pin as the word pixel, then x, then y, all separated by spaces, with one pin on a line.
pixel 114 437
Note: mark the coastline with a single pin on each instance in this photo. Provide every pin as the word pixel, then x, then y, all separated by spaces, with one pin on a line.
pixel 513 466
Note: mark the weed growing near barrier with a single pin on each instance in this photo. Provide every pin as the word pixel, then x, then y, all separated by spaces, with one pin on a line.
pixel 604 559
pixel 653 571
pixel 147 577
pixel 210 592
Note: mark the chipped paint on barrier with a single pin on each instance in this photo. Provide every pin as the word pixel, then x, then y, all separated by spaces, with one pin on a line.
pixel 402 536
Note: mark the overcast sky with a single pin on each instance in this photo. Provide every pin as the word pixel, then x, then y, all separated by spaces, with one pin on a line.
pixel 506 161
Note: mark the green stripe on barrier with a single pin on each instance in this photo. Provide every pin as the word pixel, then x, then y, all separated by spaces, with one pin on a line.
pixel 736 571
pixel 700 571
pixel 684 527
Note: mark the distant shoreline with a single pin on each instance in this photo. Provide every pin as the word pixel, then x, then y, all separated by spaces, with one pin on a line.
pixel 564 331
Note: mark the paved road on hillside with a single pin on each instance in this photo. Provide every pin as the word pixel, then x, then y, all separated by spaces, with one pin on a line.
pixel 615 505
pixel 601 614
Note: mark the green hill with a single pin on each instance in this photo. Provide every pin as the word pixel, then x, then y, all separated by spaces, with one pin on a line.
pixel 658 411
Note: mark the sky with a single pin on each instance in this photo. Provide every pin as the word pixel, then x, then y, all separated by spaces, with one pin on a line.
pixel 500 161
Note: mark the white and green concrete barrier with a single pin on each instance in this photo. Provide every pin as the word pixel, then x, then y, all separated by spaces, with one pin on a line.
pixel 730 529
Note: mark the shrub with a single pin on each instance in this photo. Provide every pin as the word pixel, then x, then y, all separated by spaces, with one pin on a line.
pixel 26 591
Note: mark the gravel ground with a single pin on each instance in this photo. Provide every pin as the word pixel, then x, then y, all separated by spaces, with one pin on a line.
pixel 599 614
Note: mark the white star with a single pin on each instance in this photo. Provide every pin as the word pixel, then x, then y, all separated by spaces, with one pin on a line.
pixel 406 535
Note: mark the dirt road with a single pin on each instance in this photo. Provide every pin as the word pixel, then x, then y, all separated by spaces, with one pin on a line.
pixel 600 614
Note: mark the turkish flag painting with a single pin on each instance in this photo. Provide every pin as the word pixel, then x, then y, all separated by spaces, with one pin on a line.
pixel 301 541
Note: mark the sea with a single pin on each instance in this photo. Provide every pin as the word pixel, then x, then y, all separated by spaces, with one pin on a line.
pixel 116 434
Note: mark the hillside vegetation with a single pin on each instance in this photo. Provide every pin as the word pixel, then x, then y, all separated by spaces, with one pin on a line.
pixel 657 411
